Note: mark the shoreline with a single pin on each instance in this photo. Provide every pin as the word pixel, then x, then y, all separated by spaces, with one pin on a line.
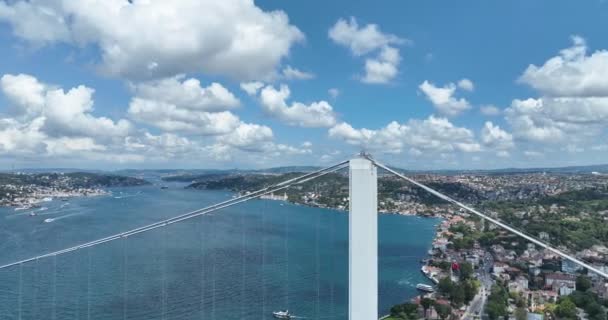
pixel 35 200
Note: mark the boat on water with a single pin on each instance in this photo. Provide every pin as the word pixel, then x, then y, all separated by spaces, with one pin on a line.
pixel 283 315
pixel 425 287
pixel 49 220
pixel 23 208
pixel 33 214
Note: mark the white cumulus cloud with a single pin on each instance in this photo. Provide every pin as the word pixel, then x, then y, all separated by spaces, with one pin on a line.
pixel 572 107
pixel 443 98
pixel 466 84
pixel 432 135
pixel 366 40
pixel 291 73
pixel 182 105
pixel 316 114
pixel 571 73
pixel 490 110
pixel 252 87
pixel 361 40
pixel 233 38
pixel 494 137
pixel 188 94
pixel 383 68
pixel 554 120
pixel 64 112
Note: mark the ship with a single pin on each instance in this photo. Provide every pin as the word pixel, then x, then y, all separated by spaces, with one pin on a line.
pixel 425 287
pixel 282 315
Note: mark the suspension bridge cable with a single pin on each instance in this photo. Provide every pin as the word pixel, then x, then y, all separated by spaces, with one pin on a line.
pixel 20 296
pixel 213 265
pixel 264 209
pixel 318 266
pixel 332 249
pixel 221 205
pixel 36 288
pixel 79 288
pixel 287 260
pixel 125 270
pixel 163 281
pixel 243 269
pixel 202 263
pixel 54 287
pixel 494 221
pixel 88 284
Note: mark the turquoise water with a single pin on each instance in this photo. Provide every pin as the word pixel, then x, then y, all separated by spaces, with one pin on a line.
pixel 241 263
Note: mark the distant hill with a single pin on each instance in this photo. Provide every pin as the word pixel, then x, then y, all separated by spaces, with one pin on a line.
pixel 51 170
pixel 165 173
pixel 71 179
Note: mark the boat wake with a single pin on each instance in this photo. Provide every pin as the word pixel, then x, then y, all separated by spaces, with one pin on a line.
pixel 123 196
pixel 49 220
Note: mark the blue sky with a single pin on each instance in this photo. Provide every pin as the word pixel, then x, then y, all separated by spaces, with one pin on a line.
pixel 420 84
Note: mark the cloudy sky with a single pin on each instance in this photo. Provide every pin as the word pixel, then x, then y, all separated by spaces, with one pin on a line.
pixel 239 83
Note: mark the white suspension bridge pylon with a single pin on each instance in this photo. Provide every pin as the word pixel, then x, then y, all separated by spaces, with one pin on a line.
pixel 363 231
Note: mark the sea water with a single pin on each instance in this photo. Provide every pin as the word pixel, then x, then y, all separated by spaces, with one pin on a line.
pixel 242 262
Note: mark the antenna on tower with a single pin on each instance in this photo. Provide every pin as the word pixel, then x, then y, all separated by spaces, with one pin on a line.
pixel 364 154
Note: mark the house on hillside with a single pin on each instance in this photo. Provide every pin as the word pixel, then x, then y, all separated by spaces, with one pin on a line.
pixel 562 283
pixel 570 267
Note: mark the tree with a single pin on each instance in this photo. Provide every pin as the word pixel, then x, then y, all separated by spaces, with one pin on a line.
pixel 443 311
pixel 466 271
pixel 426 305
pixel 595 311
pixel 470 290
pixel 566 309
pixel 497 302
pixel 495 309
pixel 583 283
pixel 457 295
pixel 521 313
pixel 487 238
pixel 582 299
pixel 405 311
pixel 445 286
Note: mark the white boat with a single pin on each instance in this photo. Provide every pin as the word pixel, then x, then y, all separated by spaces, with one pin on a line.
pixel 49 220
pixel 282 315
pixel 425 287
pixel 23 208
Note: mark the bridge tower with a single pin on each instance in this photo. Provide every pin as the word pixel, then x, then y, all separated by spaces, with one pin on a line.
pixel 363 240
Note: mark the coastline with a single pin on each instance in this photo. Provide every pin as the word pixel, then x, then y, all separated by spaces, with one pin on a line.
pixel 35 199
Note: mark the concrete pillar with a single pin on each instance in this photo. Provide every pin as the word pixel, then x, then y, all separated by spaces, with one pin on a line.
pixel 363 241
